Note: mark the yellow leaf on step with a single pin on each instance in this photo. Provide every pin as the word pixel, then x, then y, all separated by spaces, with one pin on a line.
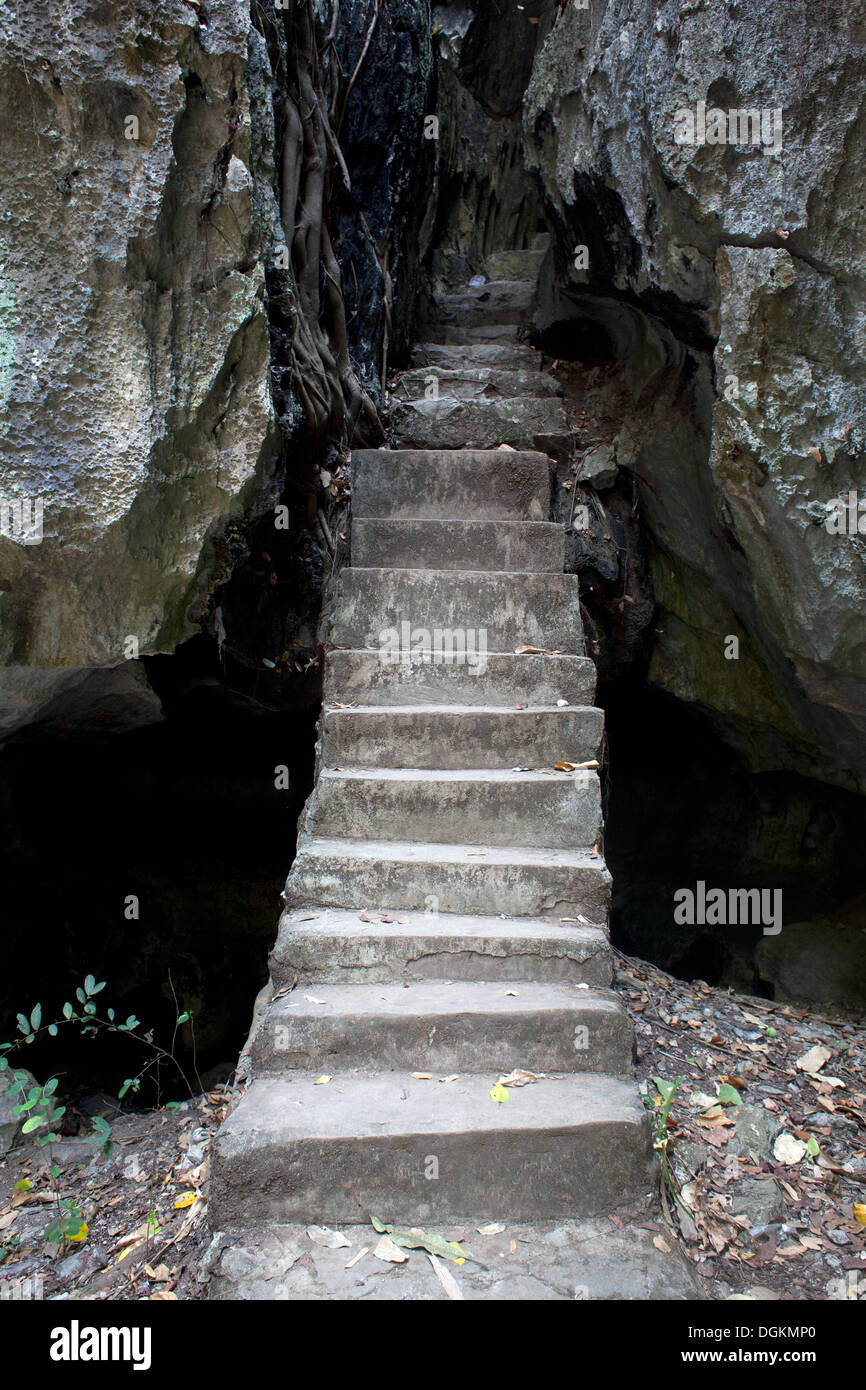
pixel 860 1213
pixel 185 1199
pixel 498 1093
pixel 322 1080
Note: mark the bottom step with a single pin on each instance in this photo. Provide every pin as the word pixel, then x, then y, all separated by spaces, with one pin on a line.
pixel 590 1260
pixel 411 1151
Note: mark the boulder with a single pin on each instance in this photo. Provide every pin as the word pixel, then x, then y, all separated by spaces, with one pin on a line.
pixel 817 962
pixel 599 467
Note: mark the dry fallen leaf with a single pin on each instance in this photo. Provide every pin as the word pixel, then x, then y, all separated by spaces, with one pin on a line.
pixel 518 1077
pixel 714 1118
pixel 787 1149
pixel 389 1252
pixel 332 1240
pixel 322 1080
pixel 493 1228
pixel 813 1060
pixel 423 1075
pixel 661 1244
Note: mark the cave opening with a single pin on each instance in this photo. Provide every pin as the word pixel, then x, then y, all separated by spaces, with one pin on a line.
pixel 682 806
pixel 150 857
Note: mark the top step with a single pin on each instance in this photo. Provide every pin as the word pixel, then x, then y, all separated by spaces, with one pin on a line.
pixel 498 301
pixel 470 484
pixel 506 356
pixel 515 265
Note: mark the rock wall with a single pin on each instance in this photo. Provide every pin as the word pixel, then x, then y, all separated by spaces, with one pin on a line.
pixel 134 391
pixel 146 412
pixel 730 280
pixel 147 317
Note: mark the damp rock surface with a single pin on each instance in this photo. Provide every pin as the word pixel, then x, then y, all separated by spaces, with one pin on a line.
pixel 727 280
pixel 134 382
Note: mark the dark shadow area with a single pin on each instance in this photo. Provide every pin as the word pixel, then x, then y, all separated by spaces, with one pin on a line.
pixel 180 822
pixel 681 807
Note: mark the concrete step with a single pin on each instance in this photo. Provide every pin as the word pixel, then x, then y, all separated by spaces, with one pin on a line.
pixel 497 301
pixel 361 677
pixel 472 484
pixel 472 383
pixel 591 1259
pixel 413 1151
pixel 497 612
pixel 524 422
pixel 505 334
pixel 330 944
pixel 463 1026
pixel 459 545
pixel 376 875
pixel 509 357
pixel 448 736
pixel 486 807
pixel 515 265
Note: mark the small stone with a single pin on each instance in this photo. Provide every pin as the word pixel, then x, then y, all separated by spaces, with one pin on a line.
pixel 599 467
pixel 839 1237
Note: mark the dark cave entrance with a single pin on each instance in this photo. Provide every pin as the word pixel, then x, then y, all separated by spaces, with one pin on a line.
pixel 682 807
pixel 189 821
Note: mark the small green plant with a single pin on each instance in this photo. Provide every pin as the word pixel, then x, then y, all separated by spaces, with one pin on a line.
pixel 663 1139
pixel 37 1100
pixel 67 1224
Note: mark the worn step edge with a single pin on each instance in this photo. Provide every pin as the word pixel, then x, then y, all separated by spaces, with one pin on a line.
pixel 446 1028
pixel 335 944
pixel 370 1143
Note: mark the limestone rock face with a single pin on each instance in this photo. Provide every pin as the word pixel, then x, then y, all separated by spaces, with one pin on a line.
pixel 134 398
pixel 731 278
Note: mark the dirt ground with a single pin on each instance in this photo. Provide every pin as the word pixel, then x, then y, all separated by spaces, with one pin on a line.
pixel 764 1145
pixel 753 1211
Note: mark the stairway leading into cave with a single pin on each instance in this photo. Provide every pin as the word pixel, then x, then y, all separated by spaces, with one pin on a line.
pixel 446 918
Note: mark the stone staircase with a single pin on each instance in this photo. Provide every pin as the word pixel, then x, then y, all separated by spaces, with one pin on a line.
pixel 446 912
